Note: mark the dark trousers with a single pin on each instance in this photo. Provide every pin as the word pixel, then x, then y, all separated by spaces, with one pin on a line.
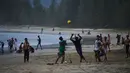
pixel 11 48
pixel 39 44
pixel 127 50
pixel 26 55
pixel 2 49
pixel 97 55
pixel 79 51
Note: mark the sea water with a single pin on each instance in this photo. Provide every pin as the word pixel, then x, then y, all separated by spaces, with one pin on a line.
pixel 46 39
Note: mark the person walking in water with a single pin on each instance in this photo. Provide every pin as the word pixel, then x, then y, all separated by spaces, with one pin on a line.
pixel 26 48
pixel 41 30
pixel 39 43
pixel 127 46
pixel 78 47
pixel 61 52
pixel 2 47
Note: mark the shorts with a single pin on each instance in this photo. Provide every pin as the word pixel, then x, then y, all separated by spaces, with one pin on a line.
pixel 61 53
pixel 97 53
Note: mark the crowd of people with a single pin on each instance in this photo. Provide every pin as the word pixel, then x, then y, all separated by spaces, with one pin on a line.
pixel 101 47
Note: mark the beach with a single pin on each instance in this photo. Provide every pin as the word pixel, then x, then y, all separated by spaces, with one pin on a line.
pixel 117 63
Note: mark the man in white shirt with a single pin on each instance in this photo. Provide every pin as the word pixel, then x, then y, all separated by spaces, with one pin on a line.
pixel 97 47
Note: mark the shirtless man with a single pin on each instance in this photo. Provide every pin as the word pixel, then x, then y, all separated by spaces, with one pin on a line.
pixel 104 48
pixel 26 48
pixel 127 42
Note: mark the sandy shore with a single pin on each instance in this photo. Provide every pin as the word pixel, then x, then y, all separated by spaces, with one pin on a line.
pixel 117 63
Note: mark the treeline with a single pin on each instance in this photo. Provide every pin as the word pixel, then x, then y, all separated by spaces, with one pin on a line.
pixel 82 13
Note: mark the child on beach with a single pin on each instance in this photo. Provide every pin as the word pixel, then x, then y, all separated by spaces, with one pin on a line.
pixel 61 52
pixel 78 47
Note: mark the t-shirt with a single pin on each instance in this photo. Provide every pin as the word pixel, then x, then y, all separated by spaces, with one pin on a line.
pixel 39 40
pixel 62 46
pixel 97 45
pixel 77 43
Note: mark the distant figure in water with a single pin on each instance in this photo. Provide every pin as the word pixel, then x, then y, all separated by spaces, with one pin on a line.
pixel 127 46
pixel 118 39
pixel 39 42
pixel 89 32
pixel 59 33
pixel 78 47
pixel 41 30
pixel 2 47
pixel 53 29
pixel 62 49
pixel 26 47
pixel 82 31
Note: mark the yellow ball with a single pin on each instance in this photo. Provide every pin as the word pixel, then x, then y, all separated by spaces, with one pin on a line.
pixel 69 21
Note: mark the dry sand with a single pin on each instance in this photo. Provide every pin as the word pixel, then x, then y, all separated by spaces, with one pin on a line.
pixel 117 63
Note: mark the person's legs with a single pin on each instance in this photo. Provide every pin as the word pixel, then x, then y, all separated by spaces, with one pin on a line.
pixel 105 54
pixel 63 58
pixel 127 51
pixel 11 47
pixel 59 56
pixel 24 55
pixel 95 55
pixel 2 49
pixel 98 55
pixel 37 46
pixel 109 47
pixel 41 46
pixel 27 55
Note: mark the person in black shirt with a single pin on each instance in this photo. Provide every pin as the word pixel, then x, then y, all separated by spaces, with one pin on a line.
pixel 118 39
pixel 39 43
pixel 78 47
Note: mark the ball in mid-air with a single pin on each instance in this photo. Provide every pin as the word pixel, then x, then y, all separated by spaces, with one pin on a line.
pixel 69 21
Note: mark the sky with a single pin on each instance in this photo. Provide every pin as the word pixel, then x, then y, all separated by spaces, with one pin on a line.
pixel 45 3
